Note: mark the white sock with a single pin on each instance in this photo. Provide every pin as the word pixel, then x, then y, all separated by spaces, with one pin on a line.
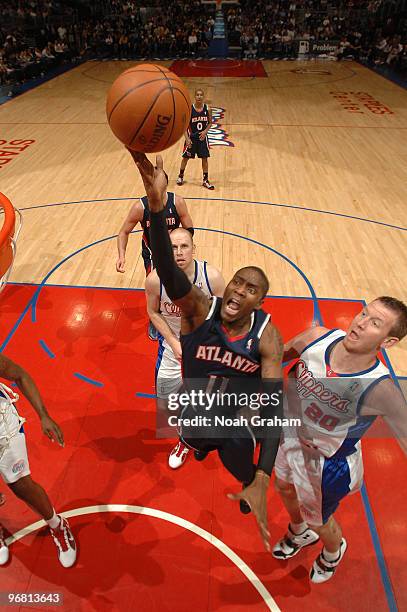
pixel 298 527
pixel 330 556
pixel 54 521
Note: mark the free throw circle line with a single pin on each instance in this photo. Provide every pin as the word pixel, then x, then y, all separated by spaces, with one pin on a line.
pixel 171 518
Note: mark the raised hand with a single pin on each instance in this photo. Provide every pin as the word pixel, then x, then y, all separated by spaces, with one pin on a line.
pixel 256 496
pixel 154 179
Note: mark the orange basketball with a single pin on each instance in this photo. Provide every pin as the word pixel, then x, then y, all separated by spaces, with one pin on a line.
pixel 148 108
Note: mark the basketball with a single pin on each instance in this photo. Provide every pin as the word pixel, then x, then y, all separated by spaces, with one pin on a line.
pixel 148 108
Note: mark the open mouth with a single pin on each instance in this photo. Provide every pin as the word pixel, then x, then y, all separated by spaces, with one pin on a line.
pixel 353 335
pixel 232 306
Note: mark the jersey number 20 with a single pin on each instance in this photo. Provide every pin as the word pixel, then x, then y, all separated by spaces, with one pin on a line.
pixel 326 421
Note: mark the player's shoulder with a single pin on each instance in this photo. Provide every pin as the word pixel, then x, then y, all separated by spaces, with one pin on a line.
pixel 309 337
pixel 212 271
pixel 179 200
pixel 136 209
pixel 270 339
pixel 312 334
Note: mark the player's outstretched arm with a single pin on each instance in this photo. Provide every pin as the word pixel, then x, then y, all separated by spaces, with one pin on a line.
pixel 387 400
pixel 135 216
pixel 184 216
pixel 193 303
pixel 12 371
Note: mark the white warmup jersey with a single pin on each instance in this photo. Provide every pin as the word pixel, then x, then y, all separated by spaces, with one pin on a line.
pixel 13 452
pixel 10 421
pixel 168 368
pixel 327 403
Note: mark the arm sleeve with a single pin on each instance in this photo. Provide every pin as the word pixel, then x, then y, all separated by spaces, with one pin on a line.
pixel 270 437
pixel 175 281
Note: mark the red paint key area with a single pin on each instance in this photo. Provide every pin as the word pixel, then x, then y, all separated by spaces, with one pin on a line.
pixel 138 523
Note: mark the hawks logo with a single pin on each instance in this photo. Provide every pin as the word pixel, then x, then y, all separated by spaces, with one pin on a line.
pixel 217 136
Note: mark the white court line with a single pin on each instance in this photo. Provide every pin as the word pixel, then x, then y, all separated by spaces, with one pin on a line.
pixel 171 518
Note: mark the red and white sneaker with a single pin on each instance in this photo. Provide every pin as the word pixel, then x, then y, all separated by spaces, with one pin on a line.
pixel 208 185
pixel 65 543
pixel 4 551
pixel 178 455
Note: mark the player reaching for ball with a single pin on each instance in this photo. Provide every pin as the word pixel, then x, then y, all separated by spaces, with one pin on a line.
pixel 229 341
pixel 177 214
pixel 196 138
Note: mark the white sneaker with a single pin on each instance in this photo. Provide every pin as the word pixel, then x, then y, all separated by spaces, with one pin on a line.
pixel 180 180
pixel 4 550
pixel 323 570
pixel 208 185
pixel 65 543
pixel 292 543
pixel 178 455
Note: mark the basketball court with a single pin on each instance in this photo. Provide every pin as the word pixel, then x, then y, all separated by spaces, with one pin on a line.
pixel 308 162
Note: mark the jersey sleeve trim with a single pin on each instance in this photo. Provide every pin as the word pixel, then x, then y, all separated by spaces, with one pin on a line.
pixel 207 279
pixel 212 308
pixel 331 331
pixel 263 326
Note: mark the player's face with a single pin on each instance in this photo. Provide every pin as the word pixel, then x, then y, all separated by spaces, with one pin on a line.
pixel 183 249
pixel 370 329
pixel 199 97
pixel 242 295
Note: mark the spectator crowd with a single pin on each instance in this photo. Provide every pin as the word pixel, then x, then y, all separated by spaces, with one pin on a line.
pixel 372 30
pixel 37 35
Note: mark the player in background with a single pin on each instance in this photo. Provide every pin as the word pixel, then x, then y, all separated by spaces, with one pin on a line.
pixel 166 318
pixel 14 466
pixel 196 138
pixel 337 387
pixel 176 214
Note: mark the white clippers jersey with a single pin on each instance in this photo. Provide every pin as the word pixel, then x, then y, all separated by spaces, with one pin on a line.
pixel 170 311
pixel 10 421
pixel 327 403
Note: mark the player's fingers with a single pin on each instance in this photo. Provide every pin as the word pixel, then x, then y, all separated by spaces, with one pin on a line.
pixel 264 529
pixel 48 433
pixel 234 496
pixel 159 162
pixel 266 544
pixel 59 437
